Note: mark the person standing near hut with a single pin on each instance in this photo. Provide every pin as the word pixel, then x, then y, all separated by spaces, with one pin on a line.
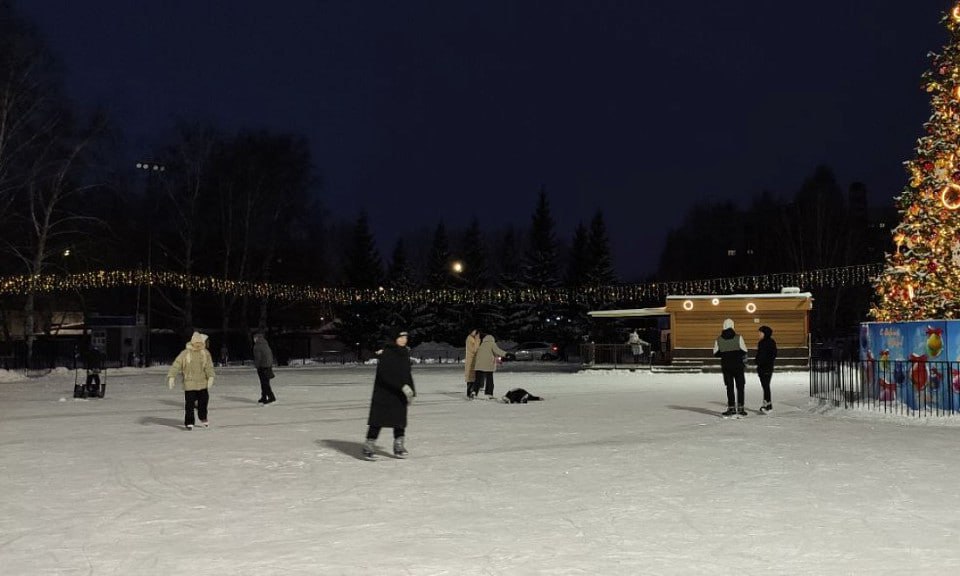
pixel 766 355
pixel 486 364
pixel 393 391
pixel 196 366
pixel 469 363
pixel 263 362
pixel 636 345
pixel 732 351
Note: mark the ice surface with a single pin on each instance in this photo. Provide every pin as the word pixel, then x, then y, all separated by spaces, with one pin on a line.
pixel 614 473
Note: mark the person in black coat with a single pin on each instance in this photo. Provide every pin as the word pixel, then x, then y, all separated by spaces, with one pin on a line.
pixel 393 391
pixel 732 351
pixel 766 355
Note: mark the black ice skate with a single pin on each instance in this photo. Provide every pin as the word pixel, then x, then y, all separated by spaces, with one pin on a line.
pixel 730 413
pixel 741 412
pixel 766 408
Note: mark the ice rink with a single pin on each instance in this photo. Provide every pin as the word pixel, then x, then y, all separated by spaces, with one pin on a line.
pixel 614 473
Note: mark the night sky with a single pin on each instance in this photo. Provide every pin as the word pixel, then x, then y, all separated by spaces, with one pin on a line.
pixel 426 111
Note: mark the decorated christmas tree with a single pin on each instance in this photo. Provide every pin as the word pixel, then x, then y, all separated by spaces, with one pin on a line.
pixel 921 279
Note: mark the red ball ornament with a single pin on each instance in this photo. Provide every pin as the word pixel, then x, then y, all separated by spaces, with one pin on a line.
pixel 932 267
pixel 956 176
pixel 928 166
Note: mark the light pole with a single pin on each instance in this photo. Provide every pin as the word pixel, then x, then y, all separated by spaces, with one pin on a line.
pixel 155 169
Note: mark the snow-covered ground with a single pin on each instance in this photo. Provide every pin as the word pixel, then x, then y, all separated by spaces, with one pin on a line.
pixel 614 473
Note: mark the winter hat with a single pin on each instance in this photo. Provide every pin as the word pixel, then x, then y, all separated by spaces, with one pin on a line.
pixel 198 339
pixel 767 331
pixel 728 324
pixel 395 333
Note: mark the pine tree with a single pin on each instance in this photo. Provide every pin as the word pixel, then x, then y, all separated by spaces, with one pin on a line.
pixel 579 267
pixel 399 274
pixel 399 277
pixel 921 276
pixel 540 263
pixel 601 263
pixel 438 261
pixel 438 322
pixel 362 323
pixel 530 318
pixel 362 267
pixel 475 272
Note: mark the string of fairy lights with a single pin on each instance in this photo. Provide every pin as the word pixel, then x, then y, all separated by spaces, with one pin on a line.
pixel 859 275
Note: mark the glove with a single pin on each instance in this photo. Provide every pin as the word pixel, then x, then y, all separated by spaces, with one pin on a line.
pixel 170 383
pixel 409 393
pixel 210 382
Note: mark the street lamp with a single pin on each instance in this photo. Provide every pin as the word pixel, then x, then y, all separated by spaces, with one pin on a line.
pixel 457 266
pixel 149 168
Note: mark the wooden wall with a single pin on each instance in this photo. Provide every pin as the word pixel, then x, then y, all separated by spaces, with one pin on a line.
pixel 698 328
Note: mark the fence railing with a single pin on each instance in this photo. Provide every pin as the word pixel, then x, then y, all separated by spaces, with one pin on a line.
pixel 900 387
pixel 616 355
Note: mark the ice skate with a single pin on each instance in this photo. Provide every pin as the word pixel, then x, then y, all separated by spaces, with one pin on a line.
pixel 188 427
pixel 399 450
pixel 741 412
pixel 204 424
pixel 766 408
pixel 370 450
pixel 730 412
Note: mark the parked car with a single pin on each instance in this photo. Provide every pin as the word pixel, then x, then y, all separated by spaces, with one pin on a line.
pixel 534 351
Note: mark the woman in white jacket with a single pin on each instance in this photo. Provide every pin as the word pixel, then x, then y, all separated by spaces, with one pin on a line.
pixel 196 365
pixel 486 363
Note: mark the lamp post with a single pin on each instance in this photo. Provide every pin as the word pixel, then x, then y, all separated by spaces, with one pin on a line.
pixel 151 168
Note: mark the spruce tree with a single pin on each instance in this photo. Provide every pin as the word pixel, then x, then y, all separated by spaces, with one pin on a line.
pixel 399 277
pixel 530 318
pixel 475 273
pixel 438 322
pixel 361 323
pixel 579 266
pixel 601 263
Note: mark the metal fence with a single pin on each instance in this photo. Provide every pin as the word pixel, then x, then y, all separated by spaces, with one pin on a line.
pixel 615 355
pixel 917 388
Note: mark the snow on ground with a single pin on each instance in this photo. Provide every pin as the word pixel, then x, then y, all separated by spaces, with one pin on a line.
pixel 614 473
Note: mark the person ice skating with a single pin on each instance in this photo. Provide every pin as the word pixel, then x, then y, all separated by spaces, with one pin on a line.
pixel 263 361
pixel 196 366
pixel 636 346
pixel 393 391
pixel 766 355
pixel 486 364
pixel 469 363
pixel 732 350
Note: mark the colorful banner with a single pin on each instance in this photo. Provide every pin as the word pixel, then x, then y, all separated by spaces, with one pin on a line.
pixel 916 363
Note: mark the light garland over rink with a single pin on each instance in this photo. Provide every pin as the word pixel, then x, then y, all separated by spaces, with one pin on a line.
pixel 859 275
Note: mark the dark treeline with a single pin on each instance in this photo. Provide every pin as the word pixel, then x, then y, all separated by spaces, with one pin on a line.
pixel 819 226
pixel 247 206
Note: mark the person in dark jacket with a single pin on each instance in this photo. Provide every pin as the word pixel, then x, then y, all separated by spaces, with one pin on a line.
pixel 263 362
pixel 732 351
pixel 766 355
pixel 93 363
pixel 393 391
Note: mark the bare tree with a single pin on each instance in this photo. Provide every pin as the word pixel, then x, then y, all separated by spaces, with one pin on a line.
pixel 181 192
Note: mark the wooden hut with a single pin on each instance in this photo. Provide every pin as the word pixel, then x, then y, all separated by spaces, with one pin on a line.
pixel 696 321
